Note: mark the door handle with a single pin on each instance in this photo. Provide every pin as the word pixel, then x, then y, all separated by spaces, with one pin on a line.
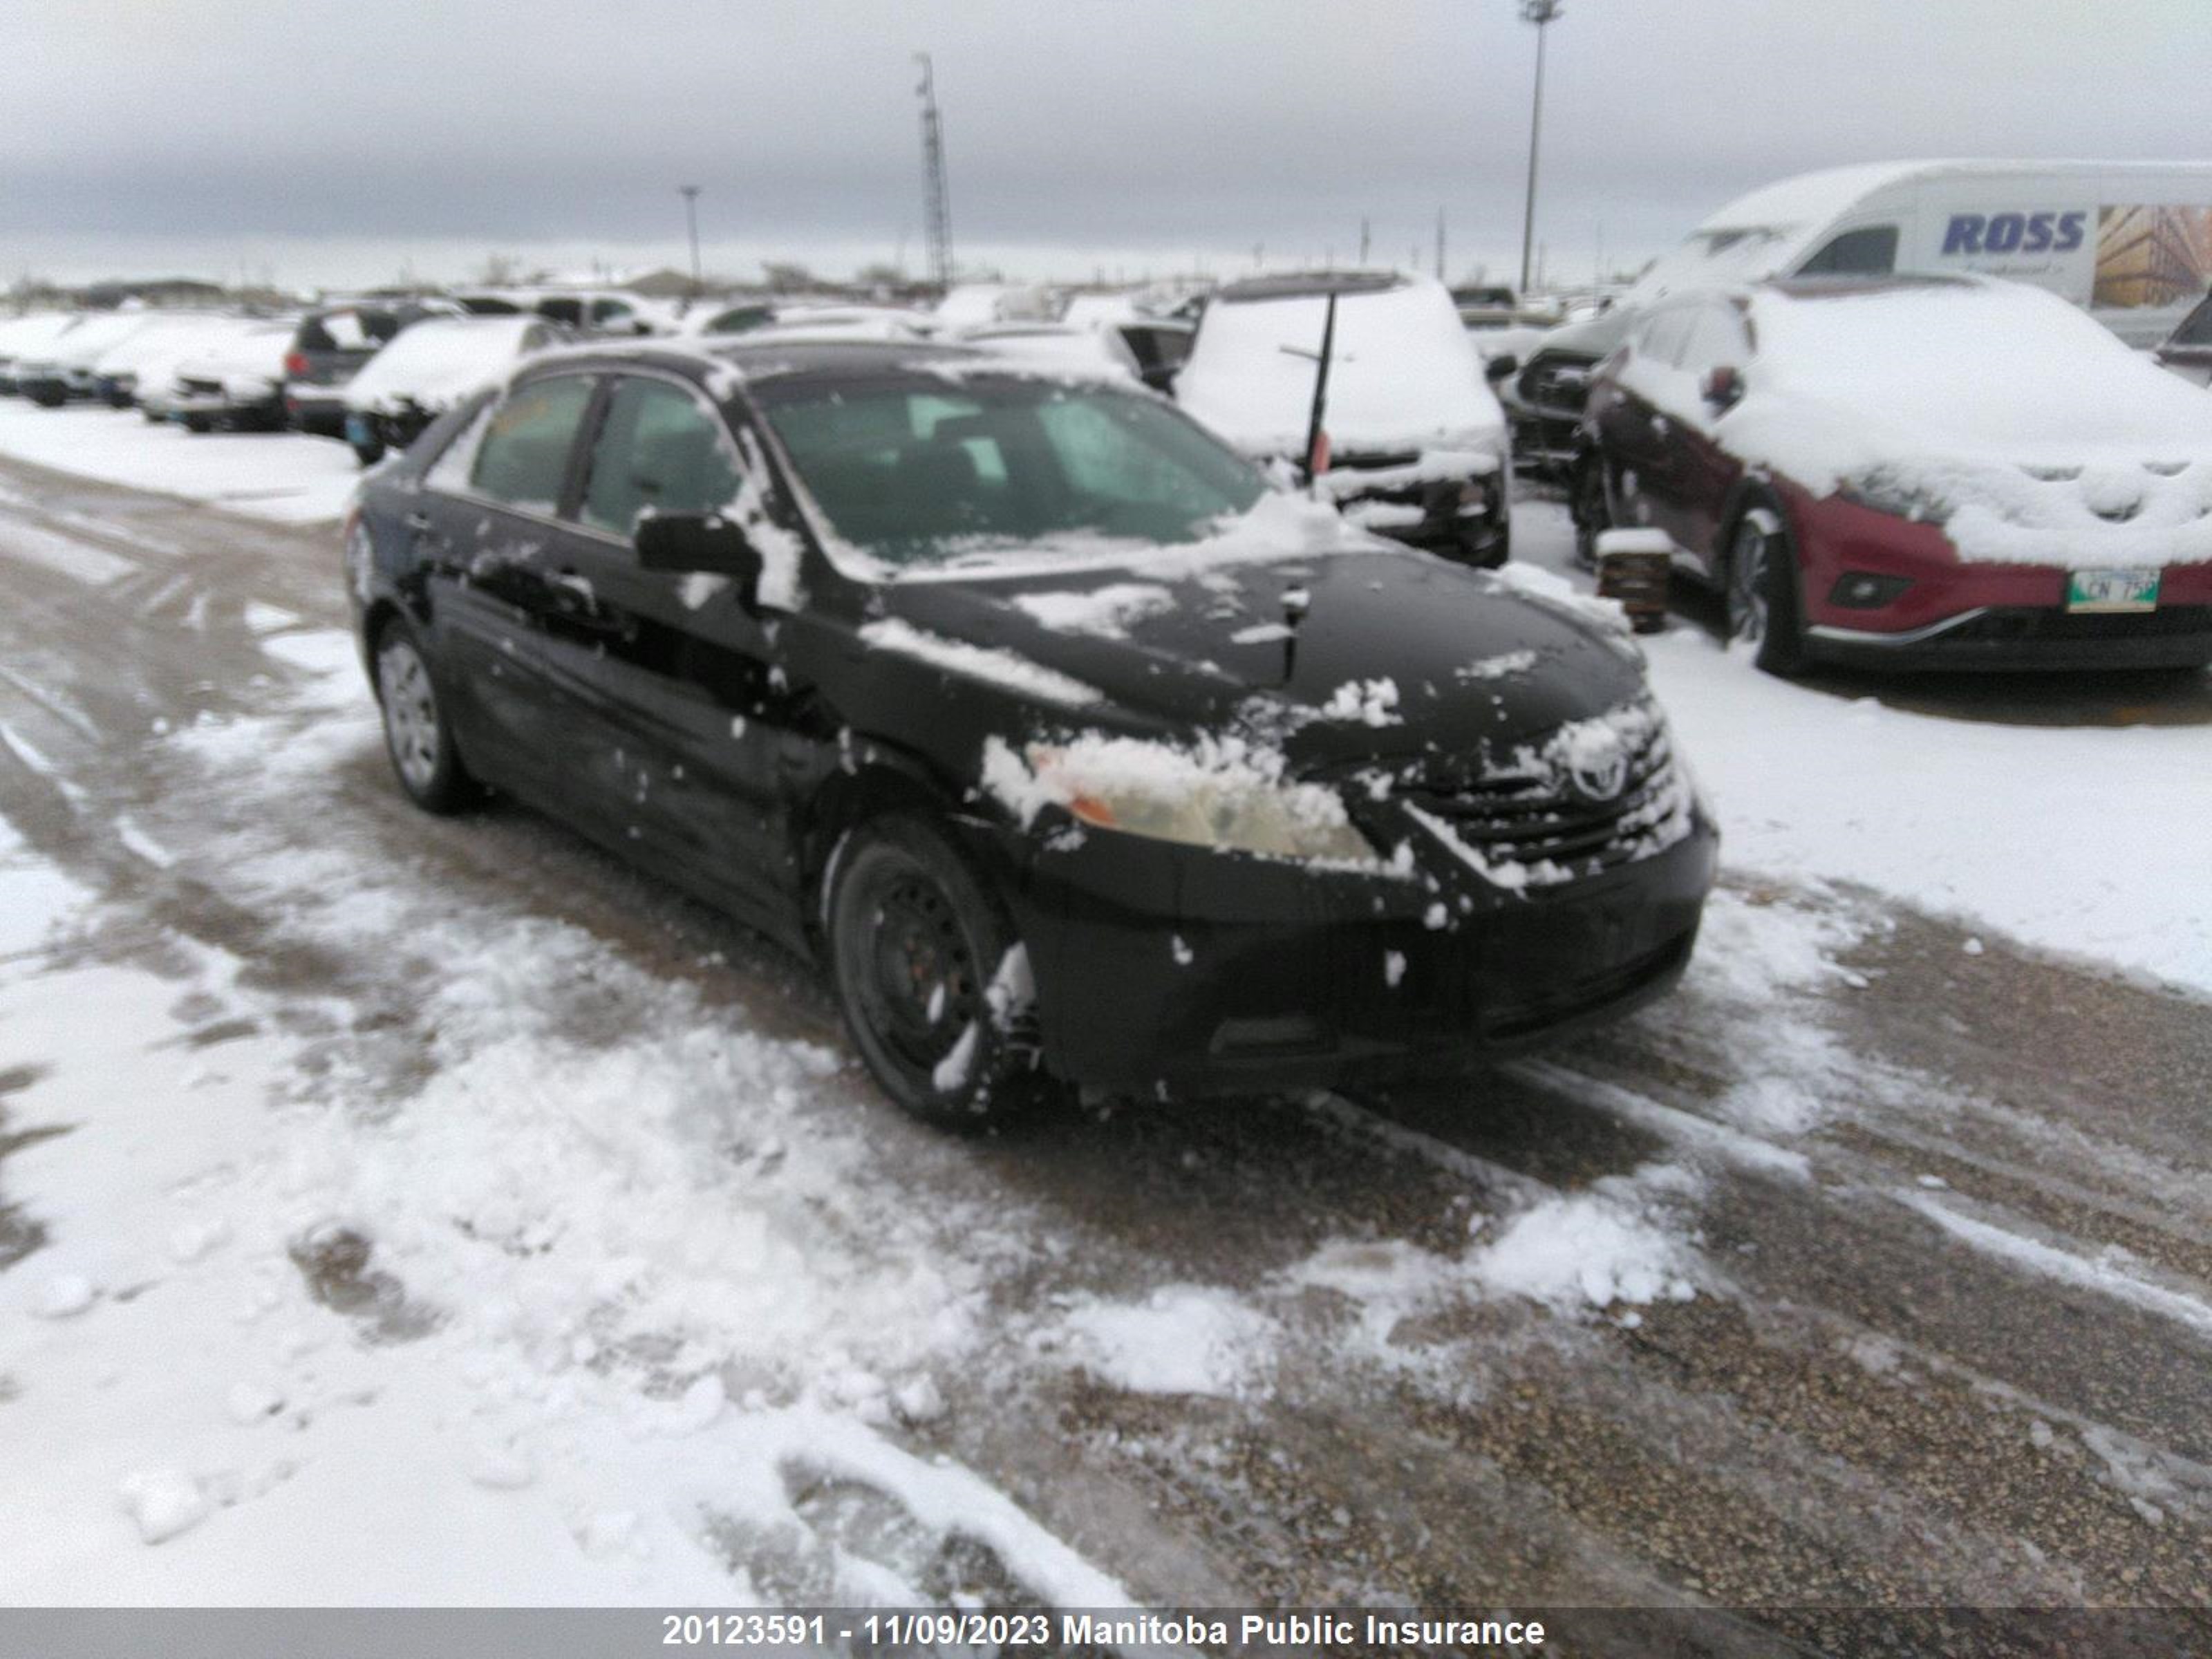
pixel 418 522
pixel 1659 427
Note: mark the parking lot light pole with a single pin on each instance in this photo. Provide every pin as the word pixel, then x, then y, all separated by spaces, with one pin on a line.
pixel 1540 12
pixel 691 219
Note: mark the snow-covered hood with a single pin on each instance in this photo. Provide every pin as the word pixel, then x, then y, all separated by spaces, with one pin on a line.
pixel 1339 658
pixel 2002 413
pixel 245 363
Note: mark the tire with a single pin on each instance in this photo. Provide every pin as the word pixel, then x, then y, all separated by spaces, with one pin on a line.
pixel 922 958
pixel 1590 506
pixel 1763 607
pixel 368 454
pixel 198 423
pixel 417 735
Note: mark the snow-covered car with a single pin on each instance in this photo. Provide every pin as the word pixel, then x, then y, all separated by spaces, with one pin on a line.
pixel 144 370
pixel 815 324
pixel 1074 751
pixel 232 382
pixel 1937 472
pixel 1412 442
pixel 1543 391
pixel 1160 344
pixel 2188 350
pixel 1056 344
pixel 975 305
pixel 726 316
pixel 333 346
pixel 151 352
pixel 29 336
pixel 63 368
pixel 429 368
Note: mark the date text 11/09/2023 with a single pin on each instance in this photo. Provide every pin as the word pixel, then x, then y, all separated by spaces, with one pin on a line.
pixel 1118 1628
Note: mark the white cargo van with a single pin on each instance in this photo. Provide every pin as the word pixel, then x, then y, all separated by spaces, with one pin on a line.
pixel 2132 241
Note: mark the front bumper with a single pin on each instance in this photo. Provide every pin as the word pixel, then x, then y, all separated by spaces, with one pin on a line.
pixel 1174 971
pixel 2003 638
pixel 1962 614
pixel 318 410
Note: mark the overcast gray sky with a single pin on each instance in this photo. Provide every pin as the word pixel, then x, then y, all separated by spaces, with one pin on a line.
pixel 334 142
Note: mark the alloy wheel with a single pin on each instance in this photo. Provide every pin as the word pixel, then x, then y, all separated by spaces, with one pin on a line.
pixel 411 713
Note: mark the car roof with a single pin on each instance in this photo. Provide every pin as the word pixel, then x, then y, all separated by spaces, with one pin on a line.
pixel 814 359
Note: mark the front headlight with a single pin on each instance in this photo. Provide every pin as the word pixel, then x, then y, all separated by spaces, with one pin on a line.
pixel 1223 794
pixel 1879 491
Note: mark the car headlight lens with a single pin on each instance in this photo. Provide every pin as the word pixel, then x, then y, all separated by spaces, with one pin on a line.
pixel 1223 794
pixel 1882 492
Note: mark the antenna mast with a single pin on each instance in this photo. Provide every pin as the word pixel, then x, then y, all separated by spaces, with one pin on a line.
pixel 937 212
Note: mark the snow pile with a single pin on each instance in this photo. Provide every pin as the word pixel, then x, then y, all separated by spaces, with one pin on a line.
pixel 1366 702
pixel 1106 612
pixel 439 362
pixel 1405 376
pixel 1181 1339
pixel 1223 791
pixel 1999 411
pixel 1003 668
pixel 1503 666
pixel 1591 1248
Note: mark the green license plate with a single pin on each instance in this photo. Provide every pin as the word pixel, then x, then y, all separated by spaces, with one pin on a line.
pixel 2112 590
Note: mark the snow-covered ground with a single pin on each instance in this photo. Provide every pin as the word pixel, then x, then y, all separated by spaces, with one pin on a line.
pixel 286 476
pixel 375 1231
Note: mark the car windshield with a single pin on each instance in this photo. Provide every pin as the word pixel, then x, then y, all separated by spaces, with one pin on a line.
pixel 927 472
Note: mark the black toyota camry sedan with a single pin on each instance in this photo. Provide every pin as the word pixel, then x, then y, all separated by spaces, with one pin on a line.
pixel 1073 750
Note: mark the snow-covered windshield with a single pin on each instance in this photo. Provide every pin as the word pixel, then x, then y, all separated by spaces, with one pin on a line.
pixel 926 472
pixel 1403 375
pixel 1975 367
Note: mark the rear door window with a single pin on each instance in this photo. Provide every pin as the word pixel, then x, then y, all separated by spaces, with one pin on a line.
pixel 1869 250
pixel 523 458
pixel 658 446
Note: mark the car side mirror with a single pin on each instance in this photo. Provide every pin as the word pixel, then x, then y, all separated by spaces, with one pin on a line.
pixel 685 544
pixel 1501 366
pixel 1722 387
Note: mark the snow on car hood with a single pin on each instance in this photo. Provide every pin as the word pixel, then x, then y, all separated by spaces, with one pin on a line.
pixel 1405 377
pixel 1341 658
pixel 2000 412
pixel 439 362
pixel 245 362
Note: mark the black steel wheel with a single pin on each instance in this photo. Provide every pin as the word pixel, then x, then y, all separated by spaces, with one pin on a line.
pixel 1762 591
pixel 929 976
pixel 417 735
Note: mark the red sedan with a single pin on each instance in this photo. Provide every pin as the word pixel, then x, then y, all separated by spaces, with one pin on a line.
pixel 1911 472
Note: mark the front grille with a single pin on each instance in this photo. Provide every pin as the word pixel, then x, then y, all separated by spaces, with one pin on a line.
pixel 2008 624
pixel 1531 822
pixel 1555 385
